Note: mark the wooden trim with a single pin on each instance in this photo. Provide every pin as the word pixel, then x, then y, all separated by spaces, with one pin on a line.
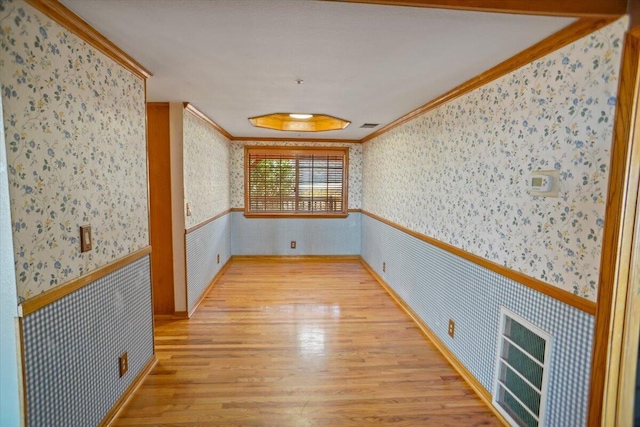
pixel 39 301
pixel 72 22
pixel 473 382
pixel 209 287
pixel 578 8
pixel 206 221
pixel 313 140
pixel 159 197
pixel 616 239
pixel 193 110
pixel 122 402
pixel 294 150
pixel 624 412
pixel 538 285
pixel 263 149
pixel 289 215
pixel 241 209
pixel 567 35
pixel 178 315
pixel 296 258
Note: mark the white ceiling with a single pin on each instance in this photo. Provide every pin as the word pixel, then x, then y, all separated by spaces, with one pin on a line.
pixel 234 59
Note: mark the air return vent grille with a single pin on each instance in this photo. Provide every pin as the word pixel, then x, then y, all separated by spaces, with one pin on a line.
pixel 368 125
pixel 522 370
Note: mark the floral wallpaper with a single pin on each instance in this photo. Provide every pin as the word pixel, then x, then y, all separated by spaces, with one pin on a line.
pixel 206 170
pixel 237 168
pixel 459 173
pixel 75 129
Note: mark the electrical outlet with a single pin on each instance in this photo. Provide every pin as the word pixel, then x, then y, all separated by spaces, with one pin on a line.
pixel 188 210
pixel 86 242
pixel 218 259
pixel 384 267
pixel 124 363
pixel 293 244
pixel 452 328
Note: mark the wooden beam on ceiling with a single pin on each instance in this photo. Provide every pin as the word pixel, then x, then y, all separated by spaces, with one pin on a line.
pixel 575 8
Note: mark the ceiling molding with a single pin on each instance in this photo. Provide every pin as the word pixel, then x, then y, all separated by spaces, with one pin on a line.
pixel 324 141
pixel 573 8
pixel 567 35
pixel 193 110
pixel 200 115
pixel 72 22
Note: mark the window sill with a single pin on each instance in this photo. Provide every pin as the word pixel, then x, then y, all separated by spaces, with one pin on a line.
pixel 289 215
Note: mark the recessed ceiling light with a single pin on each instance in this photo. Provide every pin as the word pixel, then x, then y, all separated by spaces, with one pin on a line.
pixel 299 122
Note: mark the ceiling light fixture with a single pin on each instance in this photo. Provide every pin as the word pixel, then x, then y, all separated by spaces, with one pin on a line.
pixel 297 122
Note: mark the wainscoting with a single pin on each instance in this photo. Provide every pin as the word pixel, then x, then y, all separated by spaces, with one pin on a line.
pixel 72 347
pixel 313 236
pixel 203 246
pixel 439 286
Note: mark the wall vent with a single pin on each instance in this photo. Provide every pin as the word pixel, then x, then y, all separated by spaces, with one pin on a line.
pixel 522 371
pixel 369 125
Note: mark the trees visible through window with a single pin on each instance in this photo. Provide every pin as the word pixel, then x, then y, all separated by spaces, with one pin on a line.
pixel 282 181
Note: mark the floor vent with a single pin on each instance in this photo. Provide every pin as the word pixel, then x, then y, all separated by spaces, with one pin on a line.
pixel 369 125
pixel 522 371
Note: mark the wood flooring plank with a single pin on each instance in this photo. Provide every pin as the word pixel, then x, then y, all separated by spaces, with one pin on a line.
pixel 300 343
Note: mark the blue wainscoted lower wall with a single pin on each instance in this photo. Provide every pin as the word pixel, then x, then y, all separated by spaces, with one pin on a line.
pixel 72 348
pixel 313 236
pixel 203 246
pixel 438 286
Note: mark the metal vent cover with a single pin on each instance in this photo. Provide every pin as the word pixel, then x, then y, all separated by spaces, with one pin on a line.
pixel 522 371
pixel 369 125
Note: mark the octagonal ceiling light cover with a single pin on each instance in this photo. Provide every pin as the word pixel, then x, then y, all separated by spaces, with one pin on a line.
pixel 285 122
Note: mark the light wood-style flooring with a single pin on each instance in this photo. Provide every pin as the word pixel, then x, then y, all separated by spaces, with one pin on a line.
pixel 300 343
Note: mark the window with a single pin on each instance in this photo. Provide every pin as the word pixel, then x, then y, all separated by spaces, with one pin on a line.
pixel 282 181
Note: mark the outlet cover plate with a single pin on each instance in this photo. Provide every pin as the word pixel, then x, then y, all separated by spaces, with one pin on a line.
pixel 123 361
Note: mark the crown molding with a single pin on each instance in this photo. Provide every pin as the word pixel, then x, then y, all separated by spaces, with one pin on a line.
pixel 567 35
pixel 571 8
pixel 72 22
pixel 326 140
pixel 199 114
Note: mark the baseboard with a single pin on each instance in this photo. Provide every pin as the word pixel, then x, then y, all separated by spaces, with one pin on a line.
pixel 296 257
pixel 209 287
pixel 128 394
pixel 178 315
pixel 475 385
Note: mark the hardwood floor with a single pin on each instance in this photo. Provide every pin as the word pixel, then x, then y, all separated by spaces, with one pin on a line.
pixel 302 343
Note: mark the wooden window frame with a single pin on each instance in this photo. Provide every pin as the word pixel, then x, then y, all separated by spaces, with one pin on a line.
pixel 274 150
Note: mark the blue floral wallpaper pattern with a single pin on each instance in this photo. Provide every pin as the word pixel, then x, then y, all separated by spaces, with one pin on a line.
pixel 76 150
pixel 237 168
pixel 459 173
pixel 206 170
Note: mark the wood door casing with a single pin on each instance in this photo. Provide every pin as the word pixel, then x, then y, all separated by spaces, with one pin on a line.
pixel 160 207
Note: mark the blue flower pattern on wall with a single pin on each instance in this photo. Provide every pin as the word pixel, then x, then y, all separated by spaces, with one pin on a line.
pixel 206 170
pixel 76 150
pixel 459 173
